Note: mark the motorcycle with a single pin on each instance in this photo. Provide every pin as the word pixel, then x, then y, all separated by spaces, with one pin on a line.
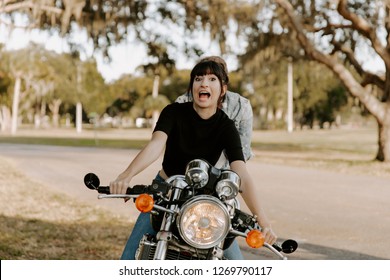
pixel 196 215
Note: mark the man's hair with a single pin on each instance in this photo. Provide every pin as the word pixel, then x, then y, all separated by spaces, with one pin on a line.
pixel 218 60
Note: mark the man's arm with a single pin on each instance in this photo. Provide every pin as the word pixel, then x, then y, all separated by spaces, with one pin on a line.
pixel 245 128
pixel 185 97
pixel 239 109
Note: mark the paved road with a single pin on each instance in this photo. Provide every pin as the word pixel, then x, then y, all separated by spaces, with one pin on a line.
pixel 331 215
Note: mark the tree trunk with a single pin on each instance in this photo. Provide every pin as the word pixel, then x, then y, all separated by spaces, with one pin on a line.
pixel 15 105
pixel 79 110
pixel 290 110
pixel 383 153
pixel 5 118
pixel 55 110
pixel 40 117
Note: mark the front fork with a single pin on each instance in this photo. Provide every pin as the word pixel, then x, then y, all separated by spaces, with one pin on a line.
pixel 165 233
pixel 217 252
pixel 164 236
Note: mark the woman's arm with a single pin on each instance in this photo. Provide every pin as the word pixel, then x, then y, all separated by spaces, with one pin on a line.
pixel 251 198
pixel 149 154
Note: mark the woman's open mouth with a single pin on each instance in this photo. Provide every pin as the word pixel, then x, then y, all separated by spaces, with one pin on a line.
pixel 204 95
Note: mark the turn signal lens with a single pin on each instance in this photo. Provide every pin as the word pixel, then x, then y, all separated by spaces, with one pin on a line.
pixel 144 203
pixel 255 238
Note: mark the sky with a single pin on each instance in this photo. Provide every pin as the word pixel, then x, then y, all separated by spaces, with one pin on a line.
pixel 125 57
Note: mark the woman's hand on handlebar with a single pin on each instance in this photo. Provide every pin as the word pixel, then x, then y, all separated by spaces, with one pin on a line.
pixel 269 236
pixel 120 185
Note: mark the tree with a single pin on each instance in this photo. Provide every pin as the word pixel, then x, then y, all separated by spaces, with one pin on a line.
pixel 93 90
pixel 38 79
pixel 32 79
pixel 5 85
pixel 129 94
pixel 106 21
pixel 175 84
pixel 332 33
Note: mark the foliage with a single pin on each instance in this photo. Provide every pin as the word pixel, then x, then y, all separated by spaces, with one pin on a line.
pixel 127 93
pixel 175 84
pixel 5 84
pixel 155 104
pixel 267 90
pixel 319 95
pixel 92 91
pixel 334 34
pixel 105 21
pixel 51 79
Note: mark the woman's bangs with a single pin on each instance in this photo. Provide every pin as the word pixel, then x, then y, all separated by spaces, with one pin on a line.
pixel 203 69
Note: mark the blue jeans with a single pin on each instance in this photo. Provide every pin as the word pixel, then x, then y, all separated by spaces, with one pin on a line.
pixel 143 226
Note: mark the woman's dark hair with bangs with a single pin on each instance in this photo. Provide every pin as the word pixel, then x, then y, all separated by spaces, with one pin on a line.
pixel 206 68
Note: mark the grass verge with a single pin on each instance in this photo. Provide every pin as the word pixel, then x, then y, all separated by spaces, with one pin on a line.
pixel 40 224
pixel 75 142
pixel 339 150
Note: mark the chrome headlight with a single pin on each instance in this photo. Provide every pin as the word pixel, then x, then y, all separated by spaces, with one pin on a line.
pixel 203 222
pixel 228 185
pixel 197 173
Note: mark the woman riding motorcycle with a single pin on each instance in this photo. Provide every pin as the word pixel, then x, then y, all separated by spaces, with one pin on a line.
pixel 187 131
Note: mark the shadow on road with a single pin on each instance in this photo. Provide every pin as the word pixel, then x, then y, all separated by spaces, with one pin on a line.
pixel 307 251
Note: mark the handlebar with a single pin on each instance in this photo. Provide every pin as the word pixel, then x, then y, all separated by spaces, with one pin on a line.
pixel 92 182
pixel 288 246
pixel 241 220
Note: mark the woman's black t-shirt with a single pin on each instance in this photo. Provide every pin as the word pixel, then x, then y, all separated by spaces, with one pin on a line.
pixel 191 137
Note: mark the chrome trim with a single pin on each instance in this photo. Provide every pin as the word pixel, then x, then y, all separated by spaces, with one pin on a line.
pixel 204 198
pixel 228 185
pixel 197 173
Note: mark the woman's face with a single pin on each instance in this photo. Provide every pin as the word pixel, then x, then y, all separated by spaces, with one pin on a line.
pixel 206 91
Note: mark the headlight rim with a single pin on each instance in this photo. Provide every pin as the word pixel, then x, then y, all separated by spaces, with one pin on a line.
pixel 197 199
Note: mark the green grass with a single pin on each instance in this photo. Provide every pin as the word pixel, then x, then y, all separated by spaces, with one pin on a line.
pixel 339 150
pixel 358 141
pixel 75 142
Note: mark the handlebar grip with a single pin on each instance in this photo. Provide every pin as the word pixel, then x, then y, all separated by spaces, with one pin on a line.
pixel 137 189
pixel 103 189
pixel 277 247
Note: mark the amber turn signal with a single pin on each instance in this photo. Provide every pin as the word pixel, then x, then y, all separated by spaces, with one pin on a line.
pixel 255 238
pixel 144 203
